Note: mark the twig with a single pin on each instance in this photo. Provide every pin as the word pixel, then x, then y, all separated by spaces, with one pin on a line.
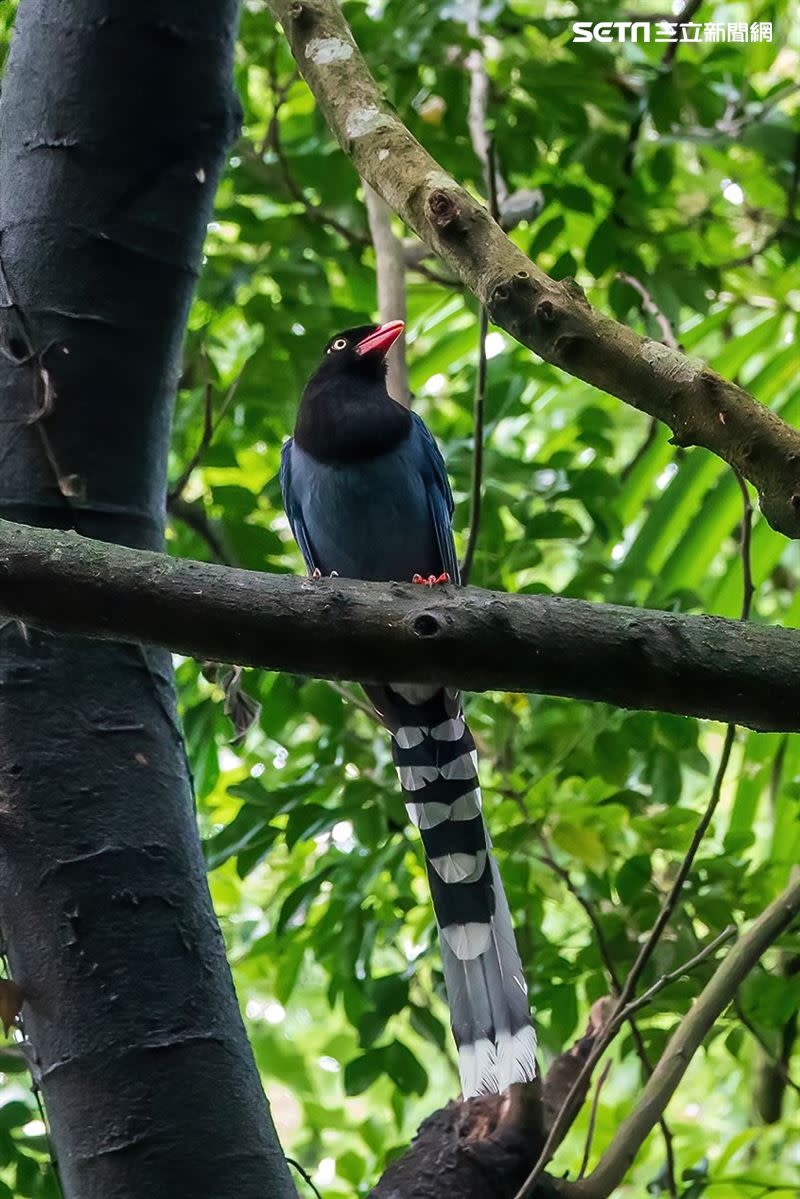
pixel 772 1068
pixel 316 212
pixel 272 141
pixel 194 516
pixel 362 706
pixel 280 91
pixel 210 426
pixel 564 875
pixel 747 528
pixel 593 1118
pixel 303 1174
pixel 649 305
pixel 669 339
pixel 684 17
pixel 673 975
pixel 649 438
pixel 671 901
pixel 320 215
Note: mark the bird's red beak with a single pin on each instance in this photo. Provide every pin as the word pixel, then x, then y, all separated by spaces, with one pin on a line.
pixel 381 339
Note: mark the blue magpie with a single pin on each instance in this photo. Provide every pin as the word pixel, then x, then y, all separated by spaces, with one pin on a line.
pixel 366 492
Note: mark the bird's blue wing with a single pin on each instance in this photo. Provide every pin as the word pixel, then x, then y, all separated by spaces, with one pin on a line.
pixel 294 509
pixel 440 498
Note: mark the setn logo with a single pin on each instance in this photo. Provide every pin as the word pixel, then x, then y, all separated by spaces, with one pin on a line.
pixel 602 31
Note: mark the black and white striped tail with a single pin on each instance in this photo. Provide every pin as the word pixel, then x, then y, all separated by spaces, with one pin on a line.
pixel 436 762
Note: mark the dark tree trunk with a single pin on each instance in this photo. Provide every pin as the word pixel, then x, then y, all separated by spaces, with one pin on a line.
pixel 114 122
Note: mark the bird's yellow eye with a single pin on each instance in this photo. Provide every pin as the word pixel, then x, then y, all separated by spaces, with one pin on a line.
pixel 340 344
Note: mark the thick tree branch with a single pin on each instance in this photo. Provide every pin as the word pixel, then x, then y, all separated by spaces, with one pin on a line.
pixel 684 1043
pixel 482 1148
pixel 368 632
pixel 553 318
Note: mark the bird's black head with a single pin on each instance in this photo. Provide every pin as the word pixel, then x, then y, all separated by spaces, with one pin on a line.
pixel 346 413
pixel 360 351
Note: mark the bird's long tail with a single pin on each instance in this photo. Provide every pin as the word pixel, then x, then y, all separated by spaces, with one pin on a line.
pixel 435 756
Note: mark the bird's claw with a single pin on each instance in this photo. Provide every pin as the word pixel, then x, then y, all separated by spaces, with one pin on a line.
pixel 431 580
pixel 317 574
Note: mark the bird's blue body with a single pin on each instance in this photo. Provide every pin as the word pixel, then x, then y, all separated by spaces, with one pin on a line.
pixel 374 519
pixel 367 495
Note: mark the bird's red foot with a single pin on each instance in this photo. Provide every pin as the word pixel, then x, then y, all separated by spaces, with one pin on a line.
pixel 317 574
pixel 432 580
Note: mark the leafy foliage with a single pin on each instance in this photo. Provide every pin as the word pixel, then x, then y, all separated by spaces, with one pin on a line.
pixel 318 881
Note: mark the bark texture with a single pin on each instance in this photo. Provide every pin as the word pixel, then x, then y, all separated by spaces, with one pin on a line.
pixel 114 122
pixel 370 632
pixel 477 1149
pixel 551 317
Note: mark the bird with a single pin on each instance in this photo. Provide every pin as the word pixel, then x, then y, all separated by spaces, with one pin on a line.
pixel 367 496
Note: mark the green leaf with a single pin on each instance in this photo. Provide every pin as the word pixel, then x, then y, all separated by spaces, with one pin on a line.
pixel 405 1071
pixel 14 1114
pixel 581 842
pixel 362 1072
pixel 602 248
pixel 425 1023
pixel 632 877
pixel 554 523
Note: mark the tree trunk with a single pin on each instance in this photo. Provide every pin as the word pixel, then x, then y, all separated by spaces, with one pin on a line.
pixel 114 122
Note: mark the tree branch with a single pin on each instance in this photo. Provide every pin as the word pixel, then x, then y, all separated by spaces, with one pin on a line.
pixel 683 1044
pixel 390 269
pixel 369 632
pixel 476 485
pixel 551 317
pixel 479 405
pixel 587 1148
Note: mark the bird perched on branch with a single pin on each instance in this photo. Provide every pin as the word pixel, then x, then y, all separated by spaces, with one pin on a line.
pixel 366 492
